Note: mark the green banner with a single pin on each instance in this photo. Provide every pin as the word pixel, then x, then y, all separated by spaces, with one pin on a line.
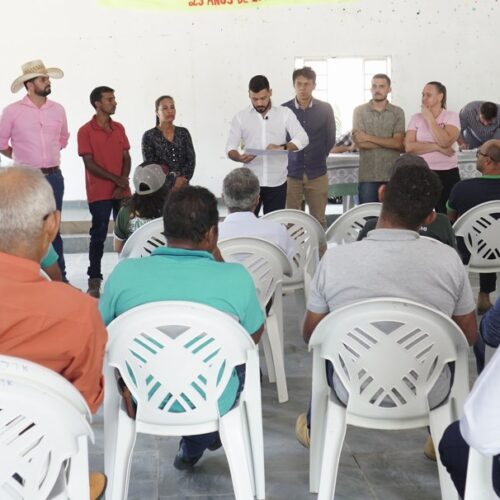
pixel 213 5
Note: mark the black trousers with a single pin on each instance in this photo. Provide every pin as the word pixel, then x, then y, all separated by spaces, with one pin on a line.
pixel 271 198
pixel 448 179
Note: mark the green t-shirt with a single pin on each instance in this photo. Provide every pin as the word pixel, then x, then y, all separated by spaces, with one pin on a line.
pixel 191 275
pixel 126 223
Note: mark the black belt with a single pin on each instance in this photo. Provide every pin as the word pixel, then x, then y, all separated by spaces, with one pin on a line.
pixel 50 170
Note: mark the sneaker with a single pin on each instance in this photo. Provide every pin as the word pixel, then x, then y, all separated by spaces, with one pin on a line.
pixel 94 287
pixel 97 483
pixel 301 431
pixel 429 450
pixel 483 303
pixel 184 463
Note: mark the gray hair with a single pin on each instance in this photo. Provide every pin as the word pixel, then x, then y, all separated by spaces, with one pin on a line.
pixel 241 188
pixel 26 198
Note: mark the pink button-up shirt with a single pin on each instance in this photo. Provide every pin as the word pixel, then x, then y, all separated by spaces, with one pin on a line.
pixel 36 135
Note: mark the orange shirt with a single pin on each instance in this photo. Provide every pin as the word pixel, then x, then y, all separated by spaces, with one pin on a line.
pixel 52 324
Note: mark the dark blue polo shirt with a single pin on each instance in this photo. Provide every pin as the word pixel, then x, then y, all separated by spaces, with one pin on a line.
pixel 318 121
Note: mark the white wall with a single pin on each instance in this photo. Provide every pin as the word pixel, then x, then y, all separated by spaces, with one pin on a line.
pixel 205 59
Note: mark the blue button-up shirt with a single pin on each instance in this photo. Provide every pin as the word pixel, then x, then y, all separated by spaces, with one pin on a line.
pixel 318 121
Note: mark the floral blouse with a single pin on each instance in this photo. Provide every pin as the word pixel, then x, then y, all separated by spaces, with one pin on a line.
pixel 178 155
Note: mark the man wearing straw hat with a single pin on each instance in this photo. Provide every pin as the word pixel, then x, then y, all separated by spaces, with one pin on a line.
pixel 34 130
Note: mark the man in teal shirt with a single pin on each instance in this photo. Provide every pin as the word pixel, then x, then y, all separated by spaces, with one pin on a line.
pixel 187 270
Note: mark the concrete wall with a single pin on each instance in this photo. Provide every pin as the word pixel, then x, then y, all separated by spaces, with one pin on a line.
pixel 204 59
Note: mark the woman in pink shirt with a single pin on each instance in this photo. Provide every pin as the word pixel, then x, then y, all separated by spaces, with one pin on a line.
pixel 432 134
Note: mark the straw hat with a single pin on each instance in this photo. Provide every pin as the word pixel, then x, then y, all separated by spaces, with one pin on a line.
pixel 32 69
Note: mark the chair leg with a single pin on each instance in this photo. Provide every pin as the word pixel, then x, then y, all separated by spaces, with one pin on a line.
pixel 78 479
pixel 231 435
pixel 123 447
pixel 439 419
pixel 266 345
pixel 334 436
pixel 278 361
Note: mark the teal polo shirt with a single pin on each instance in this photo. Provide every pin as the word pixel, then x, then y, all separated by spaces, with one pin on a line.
pixel 191 275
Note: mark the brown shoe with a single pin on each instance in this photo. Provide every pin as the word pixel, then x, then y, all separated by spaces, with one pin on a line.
pixel 97 482
pixel 301 431
pixel 429 450
pixel 483 302
pixel 94 287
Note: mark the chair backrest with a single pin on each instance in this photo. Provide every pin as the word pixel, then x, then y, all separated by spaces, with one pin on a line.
pixel 348 226
pixel 388 353
pixel 265 261
pixel 38 433
pixel 308 236
pixel 177 359
pixel 480 229
pixel 44 379
pixel 144 240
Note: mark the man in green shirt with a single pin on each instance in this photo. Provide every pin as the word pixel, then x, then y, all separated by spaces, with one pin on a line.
pixel 187 270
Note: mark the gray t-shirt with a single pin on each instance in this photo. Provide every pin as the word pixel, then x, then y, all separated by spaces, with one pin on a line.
pixel 393 263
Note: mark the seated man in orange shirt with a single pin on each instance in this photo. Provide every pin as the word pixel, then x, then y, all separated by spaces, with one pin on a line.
pixel 46 322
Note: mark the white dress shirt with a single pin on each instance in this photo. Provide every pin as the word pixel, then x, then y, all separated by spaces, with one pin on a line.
pixel 480 424
pixel 249 129
pixel 247 224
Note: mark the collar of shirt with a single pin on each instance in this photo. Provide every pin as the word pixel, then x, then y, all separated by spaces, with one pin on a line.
pixel 387 107
pixel 392 235
pixel 13 268
pixel 240 216
pixel 182 252
pixel 26 101
pixel 96 126
pixel 297 105
pixel 490 176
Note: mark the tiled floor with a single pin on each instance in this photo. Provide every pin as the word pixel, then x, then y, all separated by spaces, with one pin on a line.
pixel 379 465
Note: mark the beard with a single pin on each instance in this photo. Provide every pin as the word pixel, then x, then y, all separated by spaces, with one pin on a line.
pixel 43 92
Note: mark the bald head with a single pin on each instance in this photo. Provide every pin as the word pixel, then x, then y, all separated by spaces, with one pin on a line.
pixel 488 158
pixel 26 203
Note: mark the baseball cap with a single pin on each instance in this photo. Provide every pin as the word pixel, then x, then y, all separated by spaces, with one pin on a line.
pixel 149 178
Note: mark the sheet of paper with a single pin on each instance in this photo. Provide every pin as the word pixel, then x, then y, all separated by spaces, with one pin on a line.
pixel 265 152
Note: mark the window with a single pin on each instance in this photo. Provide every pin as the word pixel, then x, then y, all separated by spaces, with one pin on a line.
pixel 344 82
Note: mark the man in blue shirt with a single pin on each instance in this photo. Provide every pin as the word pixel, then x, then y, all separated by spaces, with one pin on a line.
pixel 187 270
pixel 307 176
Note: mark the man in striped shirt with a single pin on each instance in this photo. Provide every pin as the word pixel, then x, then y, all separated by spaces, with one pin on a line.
pixel 479 122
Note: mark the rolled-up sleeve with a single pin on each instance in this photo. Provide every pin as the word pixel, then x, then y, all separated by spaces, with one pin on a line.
pixel 294 130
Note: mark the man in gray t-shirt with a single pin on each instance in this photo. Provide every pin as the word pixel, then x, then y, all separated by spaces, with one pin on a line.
pixel 394 261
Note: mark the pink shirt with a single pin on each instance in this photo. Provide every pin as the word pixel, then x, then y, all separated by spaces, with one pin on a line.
pixel 436 160
pixel 36 135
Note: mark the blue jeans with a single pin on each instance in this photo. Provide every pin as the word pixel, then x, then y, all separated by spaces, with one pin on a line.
pixel 454 453
pixel 101 211
pixel 368 191
pixel 56 180
pixel 194 446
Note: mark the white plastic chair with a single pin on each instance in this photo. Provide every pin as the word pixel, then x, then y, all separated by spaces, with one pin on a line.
pixel 144 240
pixel 360 340
pixel 480 229
pixel 348 226
pixel 43 379
pixel 182 354
pixel 40 445
pixel 479 480
pixel 267 264
pixel 309 237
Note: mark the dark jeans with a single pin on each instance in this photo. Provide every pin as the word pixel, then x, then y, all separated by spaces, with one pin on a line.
pixel 272 198
pixel 194 446
pixel 368 191
pixel 56 180
pixel 448 179
pixel 101 211
pixel 454 453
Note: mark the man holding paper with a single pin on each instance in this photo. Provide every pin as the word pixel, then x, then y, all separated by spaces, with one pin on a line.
pixel 266 134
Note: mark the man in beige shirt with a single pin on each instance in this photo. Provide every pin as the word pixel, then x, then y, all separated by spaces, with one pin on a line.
pixel 378 132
